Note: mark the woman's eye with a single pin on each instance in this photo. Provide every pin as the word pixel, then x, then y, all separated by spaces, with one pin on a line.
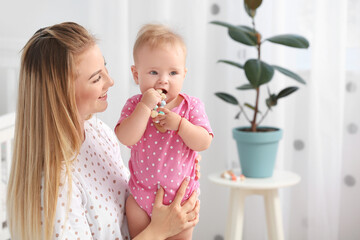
pixel 153 73
pixel 98 79
pixel 173 73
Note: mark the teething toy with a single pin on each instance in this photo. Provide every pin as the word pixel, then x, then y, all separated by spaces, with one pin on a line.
pixel 231 176
pixel 154 113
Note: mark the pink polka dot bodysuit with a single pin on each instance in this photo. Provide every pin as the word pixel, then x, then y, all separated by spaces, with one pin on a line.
pixel 163 158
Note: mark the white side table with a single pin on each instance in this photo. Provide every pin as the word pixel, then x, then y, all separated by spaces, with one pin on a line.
pixel 268 188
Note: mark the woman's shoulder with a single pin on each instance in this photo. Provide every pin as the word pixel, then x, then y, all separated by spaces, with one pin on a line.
pixel 96 125
pixel 96 128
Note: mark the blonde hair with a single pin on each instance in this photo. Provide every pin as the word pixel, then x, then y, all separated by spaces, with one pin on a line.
pixel 47 130
pixel 157 35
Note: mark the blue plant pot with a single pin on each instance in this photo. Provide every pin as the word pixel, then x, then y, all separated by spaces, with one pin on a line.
pixel 257 151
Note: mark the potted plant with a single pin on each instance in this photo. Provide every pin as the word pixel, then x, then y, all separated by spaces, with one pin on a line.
pixel 257 145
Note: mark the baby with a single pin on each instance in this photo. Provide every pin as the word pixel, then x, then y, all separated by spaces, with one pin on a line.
pixel 163 145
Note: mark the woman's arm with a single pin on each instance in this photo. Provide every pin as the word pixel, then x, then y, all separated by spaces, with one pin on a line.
pixel 167 221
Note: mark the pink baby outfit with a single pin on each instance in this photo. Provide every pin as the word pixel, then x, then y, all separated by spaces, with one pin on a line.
pixel 163 157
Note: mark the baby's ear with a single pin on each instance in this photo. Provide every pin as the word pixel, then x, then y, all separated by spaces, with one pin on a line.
pixel 135 74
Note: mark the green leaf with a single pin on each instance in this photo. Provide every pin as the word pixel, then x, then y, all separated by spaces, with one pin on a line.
pixel 289 74
pixel 244 35
pixel 237 116
pixel 290 40
pixel 241 34
pixel 245 87
pixel 249 106
pixel 252 107
pixel 271 101
pixel 227 98
pixel 258 72
pixel 253 4
pixel 286 91
pixel 224 24
pixel 231 63
pixel 249 11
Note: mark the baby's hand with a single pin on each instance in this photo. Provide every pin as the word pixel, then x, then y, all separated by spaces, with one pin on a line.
pixel 151 98
pixel 169 120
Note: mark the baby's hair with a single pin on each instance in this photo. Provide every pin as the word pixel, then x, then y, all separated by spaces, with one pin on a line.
pixel 157 35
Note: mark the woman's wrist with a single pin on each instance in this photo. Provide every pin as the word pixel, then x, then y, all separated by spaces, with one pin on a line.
pixel 150 233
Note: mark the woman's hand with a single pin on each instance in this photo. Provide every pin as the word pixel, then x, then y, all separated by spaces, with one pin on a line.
pixel 167 221
pixel 197 171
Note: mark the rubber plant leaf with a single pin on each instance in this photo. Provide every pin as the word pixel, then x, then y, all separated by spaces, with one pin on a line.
pixel 271 101
pixel 289 74
pixel 286 91
pixel 227 98
pixel 258 72
pixel 242 34
pixel 237 116
pixel 290 40
pixel 245 87
pixel 253 4
pixel 249 11
pixel 232 63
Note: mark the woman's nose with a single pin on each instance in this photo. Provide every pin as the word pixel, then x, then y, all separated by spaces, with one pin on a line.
pixel 109 80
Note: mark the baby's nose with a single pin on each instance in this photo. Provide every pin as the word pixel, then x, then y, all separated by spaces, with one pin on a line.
pixel 164 78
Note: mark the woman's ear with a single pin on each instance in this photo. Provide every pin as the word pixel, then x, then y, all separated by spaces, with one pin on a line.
pixel 135 74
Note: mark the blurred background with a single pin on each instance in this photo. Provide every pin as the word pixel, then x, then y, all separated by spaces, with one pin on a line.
pixel 320 121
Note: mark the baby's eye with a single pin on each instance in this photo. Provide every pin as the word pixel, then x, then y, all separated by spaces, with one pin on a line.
pixel 153 73
pixel 173 73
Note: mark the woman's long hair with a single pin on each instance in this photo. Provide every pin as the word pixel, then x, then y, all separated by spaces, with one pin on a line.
pixel 47 130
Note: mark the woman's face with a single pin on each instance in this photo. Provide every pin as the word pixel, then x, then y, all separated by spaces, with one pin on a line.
pixel 92 82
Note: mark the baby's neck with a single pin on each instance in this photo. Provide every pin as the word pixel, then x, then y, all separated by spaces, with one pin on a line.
pixel 175 102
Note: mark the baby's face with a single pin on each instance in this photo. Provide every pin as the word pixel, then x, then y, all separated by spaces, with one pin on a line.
pixel 160 68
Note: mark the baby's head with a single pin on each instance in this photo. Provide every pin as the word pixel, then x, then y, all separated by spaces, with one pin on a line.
pixel 157 36
pixel 159 57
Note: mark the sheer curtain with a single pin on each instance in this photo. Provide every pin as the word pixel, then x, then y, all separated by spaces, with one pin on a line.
pixel 320 121
pixel 326 119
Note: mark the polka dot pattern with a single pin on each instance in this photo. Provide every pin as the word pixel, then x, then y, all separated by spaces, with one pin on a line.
pixel 299 145
pixel 215 9
pixel 351 87
pixel 163 158
pixel 99 189
pixel 349 181
pixel 352 128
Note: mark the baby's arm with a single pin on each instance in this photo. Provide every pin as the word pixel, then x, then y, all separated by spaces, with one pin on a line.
pixel 195 137
pixel 131 129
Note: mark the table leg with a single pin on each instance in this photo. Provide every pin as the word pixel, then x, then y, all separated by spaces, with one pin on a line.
pixel 273 215
pixel 234 229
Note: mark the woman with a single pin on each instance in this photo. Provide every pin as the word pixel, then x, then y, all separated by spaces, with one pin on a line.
pixel 67 179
